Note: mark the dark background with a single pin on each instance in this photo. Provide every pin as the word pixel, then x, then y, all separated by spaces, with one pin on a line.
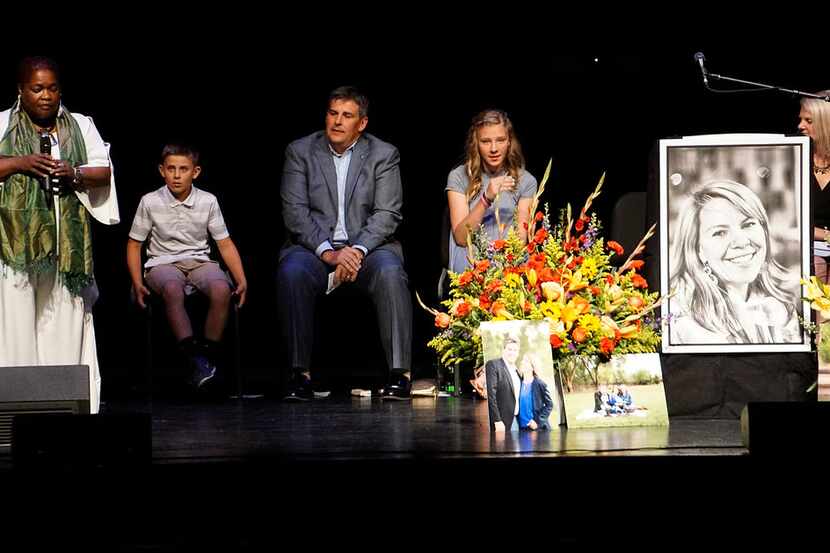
pixel 589 109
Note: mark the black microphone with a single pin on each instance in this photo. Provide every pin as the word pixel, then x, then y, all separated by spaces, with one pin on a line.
pixel 700 59
pixel 51 184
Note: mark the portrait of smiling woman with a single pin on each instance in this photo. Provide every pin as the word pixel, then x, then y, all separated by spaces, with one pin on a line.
pixel 728 286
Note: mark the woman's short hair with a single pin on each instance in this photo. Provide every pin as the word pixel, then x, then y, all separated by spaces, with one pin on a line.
pixel 30 64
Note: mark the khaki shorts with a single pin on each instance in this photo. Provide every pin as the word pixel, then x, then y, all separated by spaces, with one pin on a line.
pixel 192 274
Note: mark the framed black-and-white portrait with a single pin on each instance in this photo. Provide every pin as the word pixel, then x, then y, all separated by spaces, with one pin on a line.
pixel 735 241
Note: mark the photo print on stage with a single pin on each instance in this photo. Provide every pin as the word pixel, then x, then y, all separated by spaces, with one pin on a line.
pixel 735 240
pixel 521 390
pixel 626 391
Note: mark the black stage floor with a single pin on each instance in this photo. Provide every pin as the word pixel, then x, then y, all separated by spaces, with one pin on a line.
pixel 365 428
pixel 249 474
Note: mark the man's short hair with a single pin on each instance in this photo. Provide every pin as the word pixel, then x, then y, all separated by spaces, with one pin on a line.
pixel 510 340
pixel 355 95
pixel 176 149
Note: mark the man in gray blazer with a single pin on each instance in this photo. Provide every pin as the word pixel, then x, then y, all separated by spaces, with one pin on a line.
pixel 341 204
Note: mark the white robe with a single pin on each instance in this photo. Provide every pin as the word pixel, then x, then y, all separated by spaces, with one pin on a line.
pixel 41 323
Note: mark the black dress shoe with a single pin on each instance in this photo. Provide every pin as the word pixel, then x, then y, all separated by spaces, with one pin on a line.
pixel 397 388
pixel 298 389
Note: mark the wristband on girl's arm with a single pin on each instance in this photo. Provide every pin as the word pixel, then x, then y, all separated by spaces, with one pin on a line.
pixel 485 202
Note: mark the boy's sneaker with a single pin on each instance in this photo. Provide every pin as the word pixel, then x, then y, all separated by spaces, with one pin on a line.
pixel 298 389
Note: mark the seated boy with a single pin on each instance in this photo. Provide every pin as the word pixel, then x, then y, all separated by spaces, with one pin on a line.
pixel 177 218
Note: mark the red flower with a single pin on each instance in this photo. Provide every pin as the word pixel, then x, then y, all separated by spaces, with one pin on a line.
pixel 615 246
pixel 484 301
pixel 607 345
pixel 539 216
pixel 541 236
pixel 595 290
pixel 509 257
pixel 465 278
pixel 499 245
pixel 555 341
pixel 527 307
pixel 579 225
pixel 531 247
pixel 609 279
pixel 525 225
pixel 637 264
pixel 638 282
pixel 579 259
pixel 463 309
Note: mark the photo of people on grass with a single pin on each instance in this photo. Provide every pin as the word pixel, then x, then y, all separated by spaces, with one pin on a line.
pixel 626 391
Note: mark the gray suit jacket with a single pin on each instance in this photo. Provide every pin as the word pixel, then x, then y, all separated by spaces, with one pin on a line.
pixel 374 195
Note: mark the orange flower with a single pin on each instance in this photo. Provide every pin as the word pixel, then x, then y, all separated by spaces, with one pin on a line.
pixel 609 279
pixel 494 286
pixel 499 310
pixel 482 266
pixel 546 275
pixel 462 309
pixel 555 341
pixel 442 320
pixel 636 302
pixel 499 245
pixel 607 345
pixel 541 236
pixel 484 301
pixel 465 278
pixel 615 246
pixel 579 335
pixel 638 282
pixel 527 307
pixel 637 264
pixel 531 247
pixel 595 291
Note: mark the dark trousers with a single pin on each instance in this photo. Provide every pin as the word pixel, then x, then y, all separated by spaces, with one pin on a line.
pixel 302 278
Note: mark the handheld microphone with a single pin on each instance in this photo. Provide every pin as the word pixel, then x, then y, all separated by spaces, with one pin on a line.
pixel 51 183
pixel 700 59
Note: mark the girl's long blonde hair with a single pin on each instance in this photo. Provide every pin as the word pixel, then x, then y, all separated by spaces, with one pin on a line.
pixel 514 162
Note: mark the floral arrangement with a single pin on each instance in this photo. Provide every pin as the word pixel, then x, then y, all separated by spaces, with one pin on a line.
pixel 563 274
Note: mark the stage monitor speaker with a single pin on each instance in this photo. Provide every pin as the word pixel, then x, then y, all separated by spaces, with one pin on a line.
pixel 41 389
pixel 785 429
pixel 70 442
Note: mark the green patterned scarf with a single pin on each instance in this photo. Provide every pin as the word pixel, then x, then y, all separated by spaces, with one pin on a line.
pixel 28 237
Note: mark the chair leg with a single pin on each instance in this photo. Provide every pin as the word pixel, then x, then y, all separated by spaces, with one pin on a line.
pixel 237 365
pixel 148 354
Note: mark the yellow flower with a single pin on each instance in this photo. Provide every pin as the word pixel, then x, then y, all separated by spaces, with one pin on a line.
pixel 576 282
pixel 589 268
pixel 551 310
pixel 822 305
pixel 531 277
pixel 589 322
pixel 513 281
